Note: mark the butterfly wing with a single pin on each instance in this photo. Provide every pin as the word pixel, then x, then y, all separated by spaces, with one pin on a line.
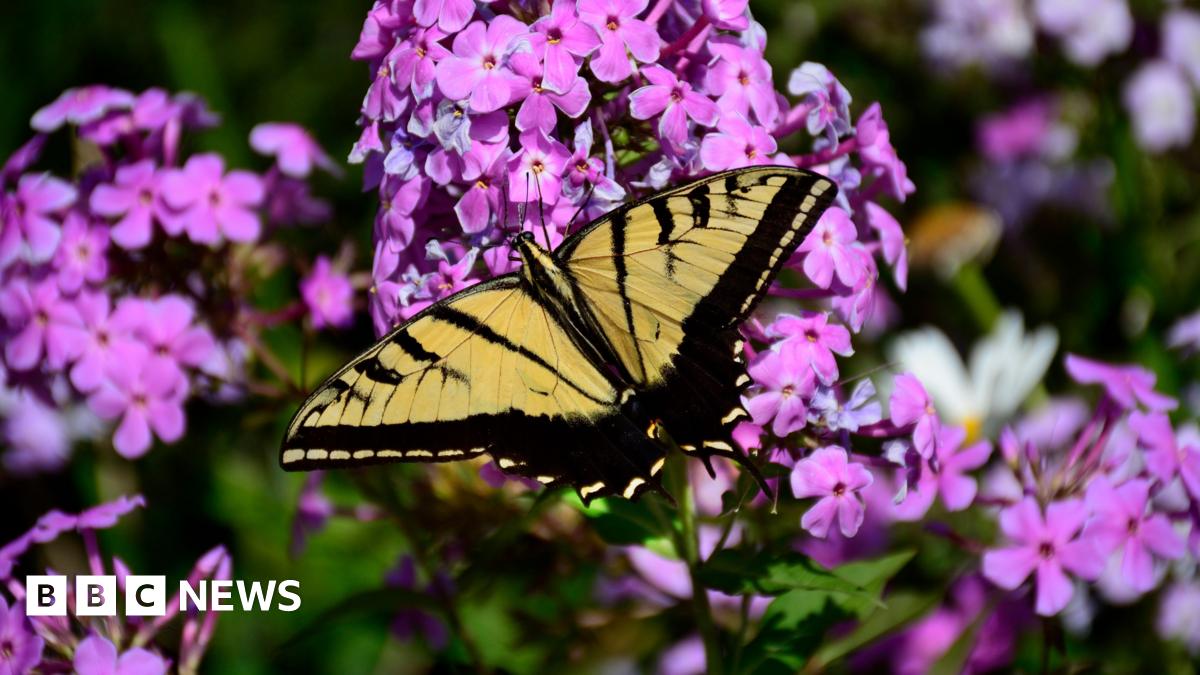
pixel 486 370
pixel 668 280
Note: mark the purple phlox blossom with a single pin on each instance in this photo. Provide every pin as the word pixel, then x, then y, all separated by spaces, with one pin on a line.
pixel 295 150
pixel 583 170
pixel 1179 615
pixel 478 70
pixel 399 199
pixel 859 410
pixel 313 510
pixel 1167 456
pixel 828 250
pixel 675 100
pixel 147 394
pixel 97 656
pixel 414 61
pixel 490 177
pixel 36 437
pixel 166 327
pixel 134 198
pixel 621 34
pixel 402 156
pixel 384 101
pixel 1185 334
pixel 20 648
pixel 911 404
pixel 1091 30
pixel 535 172
pixel 537 110
pixel 993 34
pixel 1161 106
pixel 812 340
pixel 1128 385
pixel 879 156
pixel 1120 521
pixel 22 159
pixel 106 515
pixel 379 29
pixel 1049 545
pixel 828 100
pixel 42 323
pixel 106 339
pixel 81 255
pixel 891 241
pixel 214 203
pixel 79 106
pixel 945 474
pixel 412 622
pixel 559 38
pixel 30 230
pixel 328 295
pixel 727 14
pixel 289 201
pixel 740 79
pixel 736 144
pixel 685 657
pixel 1017 132
pixel 449 15
pixel 827 473
pixel 1181 40
pixel 785 383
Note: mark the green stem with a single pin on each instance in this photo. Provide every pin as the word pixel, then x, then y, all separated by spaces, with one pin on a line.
pixel 973 288
pixel 689 542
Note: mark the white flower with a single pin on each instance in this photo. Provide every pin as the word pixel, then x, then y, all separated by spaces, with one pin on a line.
pixel 1004 368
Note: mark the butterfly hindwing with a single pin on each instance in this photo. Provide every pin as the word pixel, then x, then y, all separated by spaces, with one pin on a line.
pixel 486 370
pixel 669 278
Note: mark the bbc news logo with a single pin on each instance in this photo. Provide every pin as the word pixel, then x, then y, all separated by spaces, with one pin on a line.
pixel 146 595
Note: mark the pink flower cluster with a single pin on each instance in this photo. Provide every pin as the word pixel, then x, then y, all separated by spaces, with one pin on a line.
pixel 478 123
pixel 115 286
pixel 89 646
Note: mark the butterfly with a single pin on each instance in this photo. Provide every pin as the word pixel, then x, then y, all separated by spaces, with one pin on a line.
pixel 586 365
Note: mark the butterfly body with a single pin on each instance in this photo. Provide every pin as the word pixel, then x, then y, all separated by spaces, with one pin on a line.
pixel 583 367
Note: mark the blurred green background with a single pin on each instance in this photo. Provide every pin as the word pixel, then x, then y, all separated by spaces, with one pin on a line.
pixel 1111 289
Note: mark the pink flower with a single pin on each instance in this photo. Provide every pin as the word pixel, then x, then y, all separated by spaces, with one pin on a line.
pixel 785 384
pixel 135 198
pixel 30 229
pixel 562 38
pixel 449 15
pixel 812 340
pixel 20 648
pixel 1166 457
pixel 1121 521
pixel 1128 385
pixel 537 110
pixel 828 474
pixel 294 149
pixel 535 173
pixel 891 240
pixel 80 106
pixel 103 516
pixel 482 199
pixel 910 404
pixel 583 169
pixel 414 61
pixel 328 296
pixel 147 394
pixel 81 253
pixel 741 81
pixel 829 250
pixel 214 203
pixel 675 100
pixel 97 656
pixel 107 338
pixel 166 326
pixel 1020 131
pixel 726 14
pixel 879 157
pixel 1050 546
pixel 477 71
pixel 43 324
pixel 736 144
pixel 616 22
pixel 946 475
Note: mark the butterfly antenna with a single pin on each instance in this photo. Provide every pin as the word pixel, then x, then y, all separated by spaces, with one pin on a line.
pixel 744 462
pixel 587 199
pixel 504 213
pixel 542 214
pixel 524 205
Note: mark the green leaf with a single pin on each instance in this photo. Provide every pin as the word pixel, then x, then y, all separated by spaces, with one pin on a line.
pixel 790 631
pixel 902 608
pixel 737 571
pixel 871 576
pixel 622 523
